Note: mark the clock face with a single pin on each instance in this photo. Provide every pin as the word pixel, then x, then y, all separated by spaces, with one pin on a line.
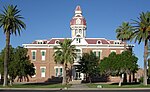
pixel 78 21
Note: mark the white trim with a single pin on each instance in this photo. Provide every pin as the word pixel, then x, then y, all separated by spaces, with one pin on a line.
pixel 99 41
pixel 35 72
pixel 34 51
pixel 58 67
pixel 98 51
pixel 43 74
pixel 43 50
pixel 96 38
pixel 43 67
pixel 57 41
pixel 79 45
pixel 32 54
pixel 113 51
pixel 43 57
pixel 121 51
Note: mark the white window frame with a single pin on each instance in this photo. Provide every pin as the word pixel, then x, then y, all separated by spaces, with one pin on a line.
pixel 57 42
pixel 43 75
pixel 0 76
pixel 116 42
pixel 78 41
pixel 58 74
pixel 121 51
pixel 35 72
pixel 43 57
pixel 97 52
pixel 112 51
pixel 99 41
pixel 32 54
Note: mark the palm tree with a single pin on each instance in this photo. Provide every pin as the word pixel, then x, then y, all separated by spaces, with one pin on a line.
pixel 11 24
pixel 64 54
pixel 142 34
pixel 124 32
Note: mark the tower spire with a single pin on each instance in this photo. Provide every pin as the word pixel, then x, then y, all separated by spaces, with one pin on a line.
pixel 78 10
pixel 78 24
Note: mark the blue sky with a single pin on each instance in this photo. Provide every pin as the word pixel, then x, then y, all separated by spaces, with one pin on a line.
pixel 46 19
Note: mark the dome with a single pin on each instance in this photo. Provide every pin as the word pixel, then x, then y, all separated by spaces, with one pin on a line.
pixel 78 21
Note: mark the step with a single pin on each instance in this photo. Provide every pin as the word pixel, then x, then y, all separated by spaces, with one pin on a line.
pixel 75 82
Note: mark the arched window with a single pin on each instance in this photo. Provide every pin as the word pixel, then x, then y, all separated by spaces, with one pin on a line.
pixel 78 36
pixel 57 42
pixel 99 42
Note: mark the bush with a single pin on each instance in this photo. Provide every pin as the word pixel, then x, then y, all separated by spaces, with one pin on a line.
pixel 141 79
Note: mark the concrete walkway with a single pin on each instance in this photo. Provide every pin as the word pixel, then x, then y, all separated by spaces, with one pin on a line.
pixel 76 84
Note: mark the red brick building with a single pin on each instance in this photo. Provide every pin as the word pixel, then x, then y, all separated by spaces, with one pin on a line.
pixel 41 51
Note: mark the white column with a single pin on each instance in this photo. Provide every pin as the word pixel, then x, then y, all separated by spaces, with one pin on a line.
pixel 82 76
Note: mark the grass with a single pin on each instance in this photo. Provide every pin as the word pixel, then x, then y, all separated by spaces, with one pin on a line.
pixel 36 85
pixel 115 85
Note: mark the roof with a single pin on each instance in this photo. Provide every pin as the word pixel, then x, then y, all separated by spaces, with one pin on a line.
pixel 88 40
pixel 78 8
pixel 95 40
pixel 74 22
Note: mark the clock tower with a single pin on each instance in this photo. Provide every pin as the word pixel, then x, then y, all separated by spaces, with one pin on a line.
pixel 78 24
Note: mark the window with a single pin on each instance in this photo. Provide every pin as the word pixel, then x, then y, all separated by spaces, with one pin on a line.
pixel 58 71
pixel 61 71
pixel 43 71
pixel 43 54
pixel 76 31
pixel 80 31
pixel 98 42
pixel 116 42
pixel 78 40
pixel 97 53
pixel 39 42
pixel 78 21
pixel 121 51
pixel 33 55
pixel 35 72
pixel 79 55
pixel 57 42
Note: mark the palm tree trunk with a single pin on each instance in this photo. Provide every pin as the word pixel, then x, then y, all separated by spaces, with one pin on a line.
pixel 125 47
pixel 6 59
pixel 145 62
pixel 64 82
pixel 130 77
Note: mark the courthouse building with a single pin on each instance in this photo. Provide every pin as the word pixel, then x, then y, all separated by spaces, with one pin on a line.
pixel 41 51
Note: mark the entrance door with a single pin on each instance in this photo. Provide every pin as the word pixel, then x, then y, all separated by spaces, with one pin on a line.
pixel 77 77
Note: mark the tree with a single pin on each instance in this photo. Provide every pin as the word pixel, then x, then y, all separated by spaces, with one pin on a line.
pixel 2 56
pixel 64 54
pixel 89 65
pixel 108 64
pixel 11 24
pixel 24 68
pixel 124 32
pixel 148 68
pixel 19 64
pixel 141 33
pixel 118 64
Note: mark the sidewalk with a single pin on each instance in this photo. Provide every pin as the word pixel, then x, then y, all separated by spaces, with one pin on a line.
pixel 79 86
pixel 1 89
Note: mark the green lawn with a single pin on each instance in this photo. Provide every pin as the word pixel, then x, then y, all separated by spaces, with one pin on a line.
pixel 36 86
pixel 116 85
